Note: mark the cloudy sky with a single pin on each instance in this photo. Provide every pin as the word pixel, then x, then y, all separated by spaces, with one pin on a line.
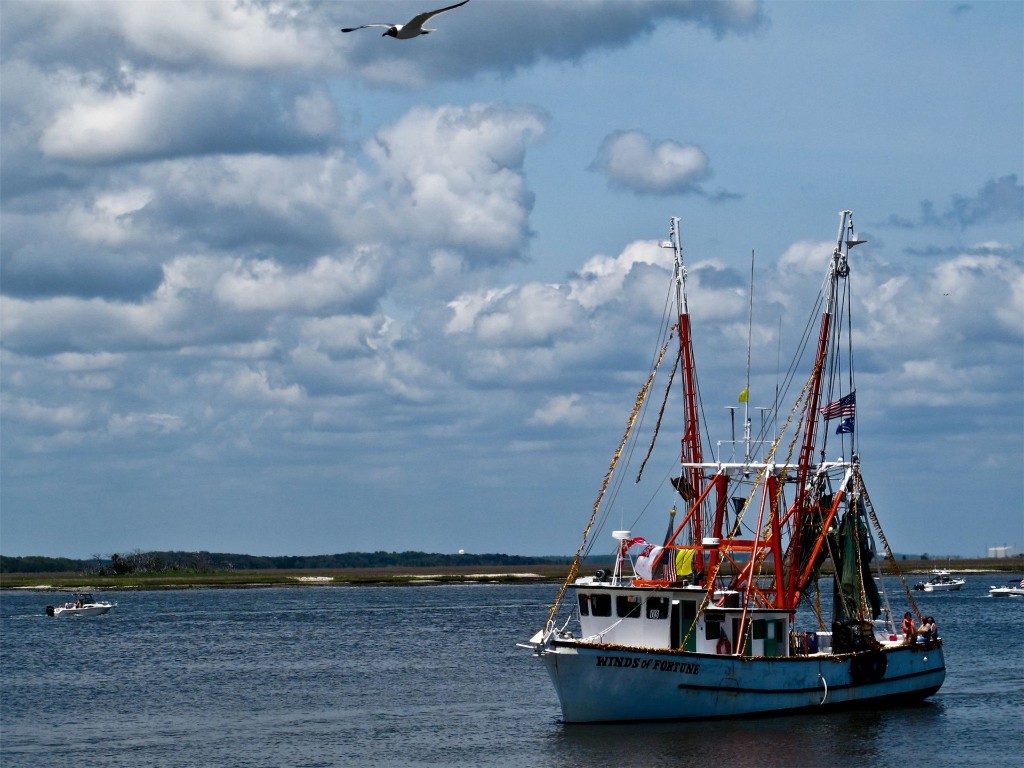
pixel 275 289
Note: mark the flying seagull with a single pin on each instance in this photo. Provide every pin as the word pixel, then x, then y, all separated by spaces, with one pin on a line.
pixel 413 29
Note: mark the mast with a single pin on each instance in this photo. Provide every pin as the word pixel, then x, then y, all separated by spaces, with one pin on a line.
pixel 807 503
pixel 692 452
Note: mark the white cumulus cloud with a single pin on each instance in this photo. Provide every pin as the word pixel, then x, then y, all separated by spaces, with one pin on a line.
pixel 634 161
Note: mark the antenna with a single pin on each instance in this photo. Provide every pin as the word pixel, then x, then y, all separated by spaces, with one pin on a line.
pixel 750 332
pixel 732 417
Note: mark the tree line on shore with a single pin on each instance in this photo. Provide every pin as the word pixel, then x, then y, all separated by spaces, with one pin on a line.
pixel 139 562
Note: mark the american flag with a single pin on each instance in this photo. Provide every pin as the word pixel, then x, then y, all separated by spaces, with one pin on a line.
pixel 844 406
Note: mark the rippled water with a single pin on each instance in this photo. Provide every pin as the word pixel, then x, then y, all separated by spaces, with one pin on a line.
pixel 429 676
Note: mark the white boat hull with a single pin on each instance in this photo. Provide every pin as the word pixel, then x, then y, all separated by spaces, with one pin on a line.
pixel 941 581
pixel 97 609
pixel 952 586
pixel 1006 592
pixel 607 683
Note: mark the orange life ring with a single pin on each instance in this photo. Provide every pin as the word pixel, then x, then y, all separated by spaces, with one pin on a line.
pixel 724 647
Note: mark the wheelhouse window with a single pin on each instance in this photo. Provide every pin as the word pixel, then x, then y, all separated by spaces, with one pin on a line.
pixel 628 606
pixel 712 628
pixel 657 608
pixel 601 605
pixel 760 629
pixel 584 605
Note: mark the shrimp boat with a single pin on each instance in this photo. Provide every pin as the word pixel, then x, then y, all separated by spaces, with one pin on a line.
pixel 724 617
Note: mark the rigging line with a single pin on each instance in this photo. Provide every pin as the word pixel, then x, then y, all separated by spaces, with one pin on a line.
pixel 862 592
pixel 890 622
pixel 750 334
pixel 849 336
pixel 633 440
pixel 818 610
pixel 668 328
pixel 656 363
pixel 844 310
pixel 654 495
pixel 753 560
pixel 741 514
pixel 627 457
pixel 797 406
pixel 708 593
pixel 870 508
pixel 721 561
pixel 642 511
pixel 782 391
pixel 574 570
pixel 836 576
pixel 750 317
pixel 778 368
pixel 669 323
pixel 661 415
pixel 800 407
pixel 656 490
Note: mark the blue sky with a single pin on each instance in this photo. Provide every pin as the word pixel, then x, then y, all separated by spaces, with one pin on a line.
pixel 274 289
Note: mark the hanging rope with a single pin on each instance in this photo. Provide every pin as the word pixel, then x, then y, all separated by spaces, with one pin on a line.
pixel 575 569
pixel 862 592
pixel 885 543
pixel 661 414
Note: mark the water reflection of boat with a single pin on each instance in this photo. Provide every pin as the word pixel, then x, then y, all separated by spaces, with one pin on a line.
pixel 1012 588
pixel 706 624
pixel 84 604
pixel 941 581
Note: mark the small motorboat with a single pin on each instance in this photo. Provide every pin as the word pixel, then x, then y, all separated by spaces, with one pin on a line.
pixel 941 581
pixel 1011 589
pixel 84 604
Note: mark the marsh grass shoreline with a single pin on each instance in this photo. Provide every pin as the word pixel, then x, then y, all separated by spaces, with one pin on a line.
pixel 351 577
pixel 247 579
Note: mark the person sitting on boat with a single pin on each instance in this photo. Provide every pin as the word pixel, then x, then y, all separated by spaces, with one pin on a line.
pixel 926 629
pixel 934 633
pixel 908 627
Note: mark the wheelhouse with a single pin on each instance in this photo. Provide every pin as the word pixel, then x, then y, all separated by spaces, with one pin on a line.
pixel 671 619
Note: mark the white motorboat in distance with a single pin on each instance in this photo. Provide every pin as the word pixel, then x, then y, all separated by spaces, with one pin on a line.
pixel 941 581
pixel 84 604
pixel 1010 589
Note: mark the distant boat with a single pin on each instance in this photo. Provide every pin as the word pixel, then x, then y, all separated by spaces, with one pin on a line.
pixel 84 604
pixel 1011 589
pixel 941 581
pixel 705 623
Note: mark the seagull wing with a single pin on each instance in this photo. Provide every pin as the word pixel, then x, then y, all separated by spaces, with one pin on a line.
pixel 417 22
pixel 387 26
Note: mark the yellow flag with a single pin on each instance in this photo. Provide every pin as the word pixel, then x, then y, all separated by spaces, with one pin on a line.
pixel 684 562
pixel 745 394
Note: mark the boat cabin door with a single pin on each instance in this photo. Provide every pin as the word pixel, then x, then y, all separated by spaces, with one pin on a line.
pixel 683 616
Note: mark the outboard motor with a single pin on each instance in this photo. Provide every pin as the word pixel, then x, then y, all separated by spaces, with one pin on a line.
pixel 49 610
